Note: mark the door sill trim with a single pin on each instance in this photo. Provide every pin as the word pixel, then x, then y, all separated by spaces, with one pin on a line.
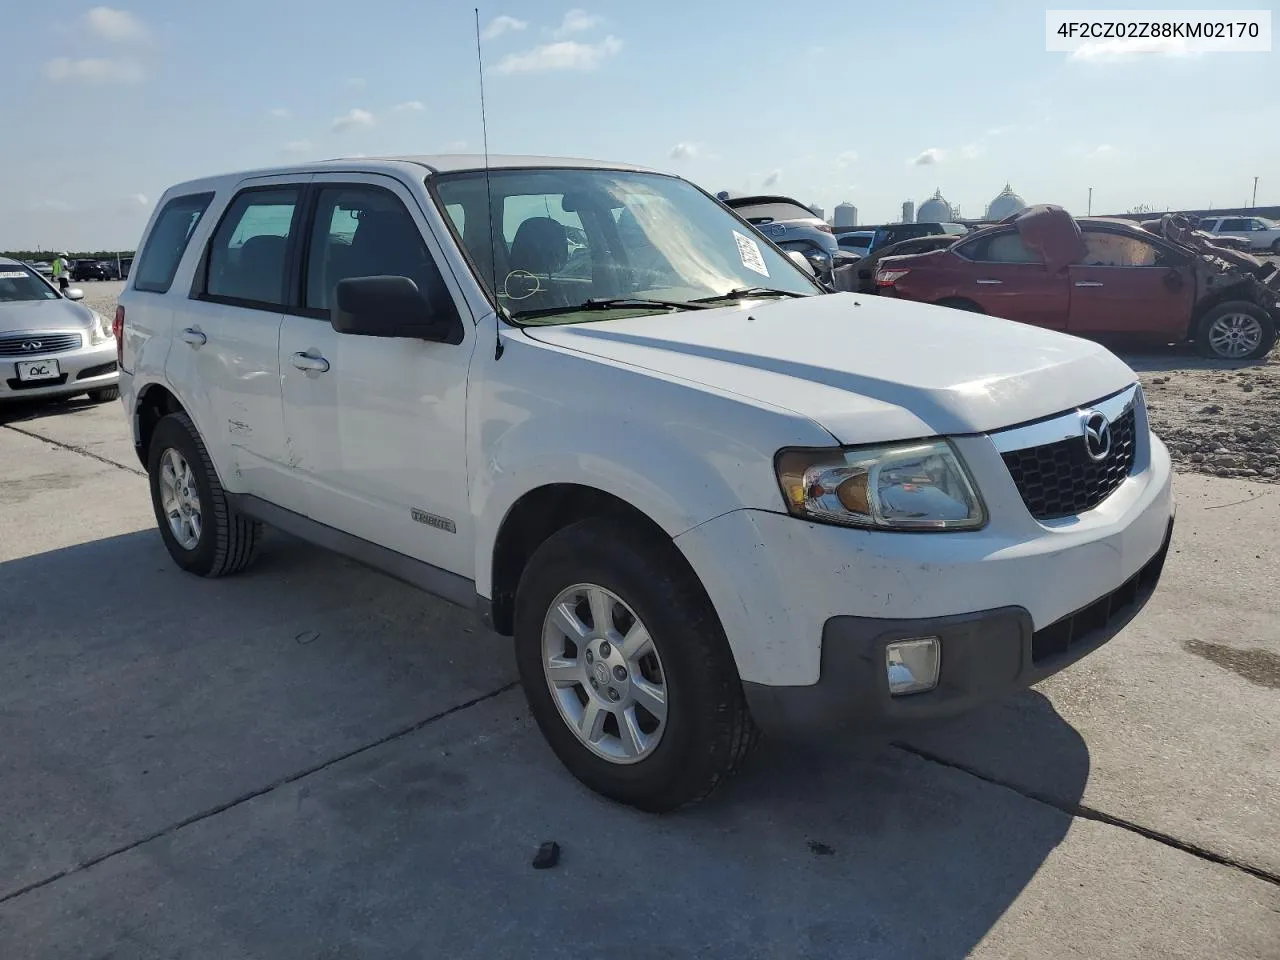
pixel 425 576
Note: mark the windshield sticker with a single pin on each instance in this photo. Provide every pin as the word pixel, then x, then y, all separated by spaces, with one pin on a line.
pixel 13 275
pixel 750 255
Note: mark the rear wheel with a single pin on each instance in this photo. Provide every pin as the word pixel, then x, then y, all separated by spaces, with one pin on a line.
pixel 1275 247
pixel 626 667
pixel 104 394
pixel 1236 330
pixel 201 531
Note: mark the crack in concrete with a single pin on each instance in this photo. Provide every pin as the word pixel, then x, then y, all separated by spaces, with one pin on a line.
pixel 1090 813
pixel 253 794
pixel 74 449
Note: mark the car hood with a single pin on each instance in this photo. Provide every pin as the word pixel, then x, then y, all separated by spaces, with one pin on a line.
pixel 34 315
pixel 867 369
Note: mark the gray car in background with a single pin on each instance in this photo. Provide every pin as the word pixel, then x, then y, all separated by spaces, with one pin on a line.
pixel 50 345
pixel 793 227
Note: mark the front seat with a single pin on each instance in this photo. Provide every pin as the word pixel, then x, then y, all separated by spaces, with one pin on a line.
pixel 540 247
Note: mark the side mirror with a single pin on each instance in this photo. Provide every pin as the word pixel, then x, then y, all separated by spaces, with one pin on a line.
pixel 391 307
pixel 802 262
pixel 73 293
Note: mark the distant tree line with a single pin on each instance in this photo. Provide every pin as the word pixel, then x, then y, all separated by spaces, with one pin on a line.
pixel 32 256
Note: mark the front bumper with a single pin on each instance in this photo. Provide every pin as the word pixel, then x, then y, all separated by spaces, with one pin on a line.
pixel 985 656
pixel 89 367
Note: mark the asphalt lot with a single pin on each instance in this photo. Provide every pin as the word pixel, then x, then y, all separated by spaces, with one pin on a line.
pixel 312 760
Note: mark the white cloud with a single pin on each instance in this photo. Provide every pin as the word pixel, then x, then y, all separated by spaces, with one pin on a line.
pixel 684 151
pixel 1101 152
pixel 771 178
pixel 564 55
pixel 455 146
pixel 139 198
pixel 280 113
pixel 1112 51
pixel 409 106
pixel 51 206
pixel 502 24
pixel 93 70
pixel 846 158
pixel 356 82
pixel 971 151
pixel 353 118
pixel 576 21
pixel 296 147
pixel 115 26
pixel 927 157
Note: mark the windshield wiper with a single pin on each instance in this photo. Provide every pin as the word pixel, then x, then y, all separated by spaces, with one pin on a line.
pixel 748 293
pixel 610 303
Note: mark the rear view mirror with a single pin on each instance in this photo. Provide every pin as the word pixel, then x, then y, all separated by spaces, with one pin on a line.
pixel 391 307
pixel 73 293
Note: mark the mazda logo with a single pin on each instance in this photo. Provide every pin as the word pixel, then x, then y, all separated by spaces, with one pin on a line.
pixel 32 345
pixel 1097 435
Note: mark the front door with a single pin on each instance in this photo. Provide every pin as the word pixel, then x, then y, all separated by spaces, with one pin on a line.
pixel 1128 286
pixel 227 335
pixel 377 426
pixel 1008 279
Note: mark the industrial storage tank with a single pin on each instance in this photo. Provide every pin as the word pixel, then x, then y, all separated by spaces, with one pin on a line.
pixel 846 215
pixel 934 210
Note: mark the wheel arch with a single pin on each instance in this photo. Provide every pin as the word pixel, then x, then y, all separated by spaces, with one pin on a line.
pixel 154 402
pixel 538 514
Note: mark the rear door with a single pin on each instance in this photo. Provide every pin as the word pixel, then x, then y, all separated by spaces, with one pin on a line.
pixel 226 336
pixel 377 426
pixel 1129 286
pixel 1236 227
pixel 1007 279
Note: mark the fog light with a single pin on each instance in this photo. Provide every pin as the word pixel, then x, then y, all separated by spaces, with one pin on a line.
pixel 912 665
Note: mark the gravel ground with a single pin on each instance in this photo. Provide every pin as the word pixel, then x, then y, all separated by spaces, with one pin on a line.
pixel 1217 418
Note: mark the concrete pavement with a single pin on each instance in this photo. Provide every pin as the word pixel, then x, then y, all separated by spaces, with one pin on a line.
pixel 312 760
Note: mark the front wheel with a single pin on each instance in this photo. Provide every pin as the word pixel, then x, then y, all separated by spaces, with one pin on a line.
pixel 1275 247
pixel 626 667
pixel 1236 330
pixel 201 531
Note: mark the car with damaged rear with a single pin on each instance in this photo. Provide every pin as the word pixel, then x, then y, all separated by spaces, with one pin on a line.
pixel 1095 277
pixel 703 497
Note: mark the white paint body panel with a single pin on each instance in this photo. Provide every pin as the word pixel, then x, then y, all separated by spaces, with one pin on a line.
pixel 679 415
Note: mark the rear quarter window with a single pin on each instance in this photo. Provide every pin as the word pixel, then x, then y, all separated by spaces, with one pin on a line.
pixel 167 242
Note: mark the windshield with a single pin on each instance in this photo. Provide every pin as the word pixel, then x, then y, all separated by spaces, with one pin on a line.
pixel 18 283
pixel 769 211
pixel 565 237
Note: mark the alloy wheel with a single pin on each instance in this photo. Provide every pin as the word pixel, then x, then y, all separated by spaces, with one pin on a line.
pixel 604 673
pixel 180 498
pixel 1235 335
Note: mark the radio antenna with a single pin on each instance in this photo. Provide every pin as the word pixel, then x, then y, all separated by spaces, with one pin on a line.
pixel 488 192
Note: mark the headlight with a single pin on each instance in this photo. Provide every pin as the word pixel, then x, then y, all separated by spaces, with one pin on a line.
pixel 908 486
pixel 99 328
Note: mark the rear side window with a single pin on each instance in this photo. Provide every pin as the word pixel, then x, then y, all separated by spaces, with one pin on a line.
pixel 1000 248
pixel 365 231
pixel 1234 225
pixel 247 254
pixel 168 242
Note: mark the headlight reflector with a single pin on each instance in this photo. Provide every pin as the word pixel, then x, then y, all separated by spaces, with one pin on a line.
pixel 921 485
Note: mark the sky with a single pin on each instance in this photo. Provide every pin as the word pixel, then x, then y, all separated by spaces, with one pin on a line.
pixel 107 106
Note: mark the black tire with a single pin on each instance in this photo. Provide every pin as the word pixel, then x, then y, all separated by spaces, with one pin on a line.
pixel 709 730
pixel 228 541
pixel 959 303
pixel 105 394
pixel 1265 321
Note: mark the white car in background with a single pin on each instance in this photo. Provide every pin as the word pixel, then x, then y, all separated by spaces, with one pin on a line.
pixel 50 345
pixel 1263 235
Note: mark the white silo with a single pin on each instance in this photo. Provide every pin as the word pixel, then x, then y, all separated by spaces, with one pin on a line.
pixel 846 215
pixel 1005 204
pixel 934 210
pixel 821 214
pixel 908 211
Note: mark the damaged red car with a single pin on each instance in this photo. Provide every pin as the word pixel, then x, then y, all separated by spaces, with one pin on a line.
pixel 1101 278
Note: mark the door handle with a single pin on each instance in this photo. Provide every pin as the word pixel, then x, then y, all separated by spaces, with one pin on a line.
pixel 989 282
pixel 1088 283
pixel 194 338
pixel 304 361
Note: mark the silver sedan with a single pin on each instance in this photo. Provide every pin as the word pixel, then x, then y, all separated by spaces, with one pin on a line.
pixel 50 345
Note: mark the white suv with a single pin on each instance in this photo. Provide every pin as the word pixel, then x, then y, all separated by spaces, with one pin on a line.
pixel 1263 235
pixel 589 401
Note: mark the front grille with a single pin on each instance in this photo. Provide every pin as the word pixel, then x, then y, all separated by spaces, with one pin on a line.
pixel 1082 628
pixel 1061 480
pixel 37 344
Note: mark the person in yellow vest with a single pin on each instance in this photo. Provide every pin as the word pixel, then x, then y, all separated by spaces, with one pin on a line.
pixel 62 272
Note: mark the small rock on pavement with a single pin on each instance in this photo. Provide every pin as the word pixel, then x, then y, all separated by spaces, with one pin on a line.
pixel 548 856
pixel 1247 387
